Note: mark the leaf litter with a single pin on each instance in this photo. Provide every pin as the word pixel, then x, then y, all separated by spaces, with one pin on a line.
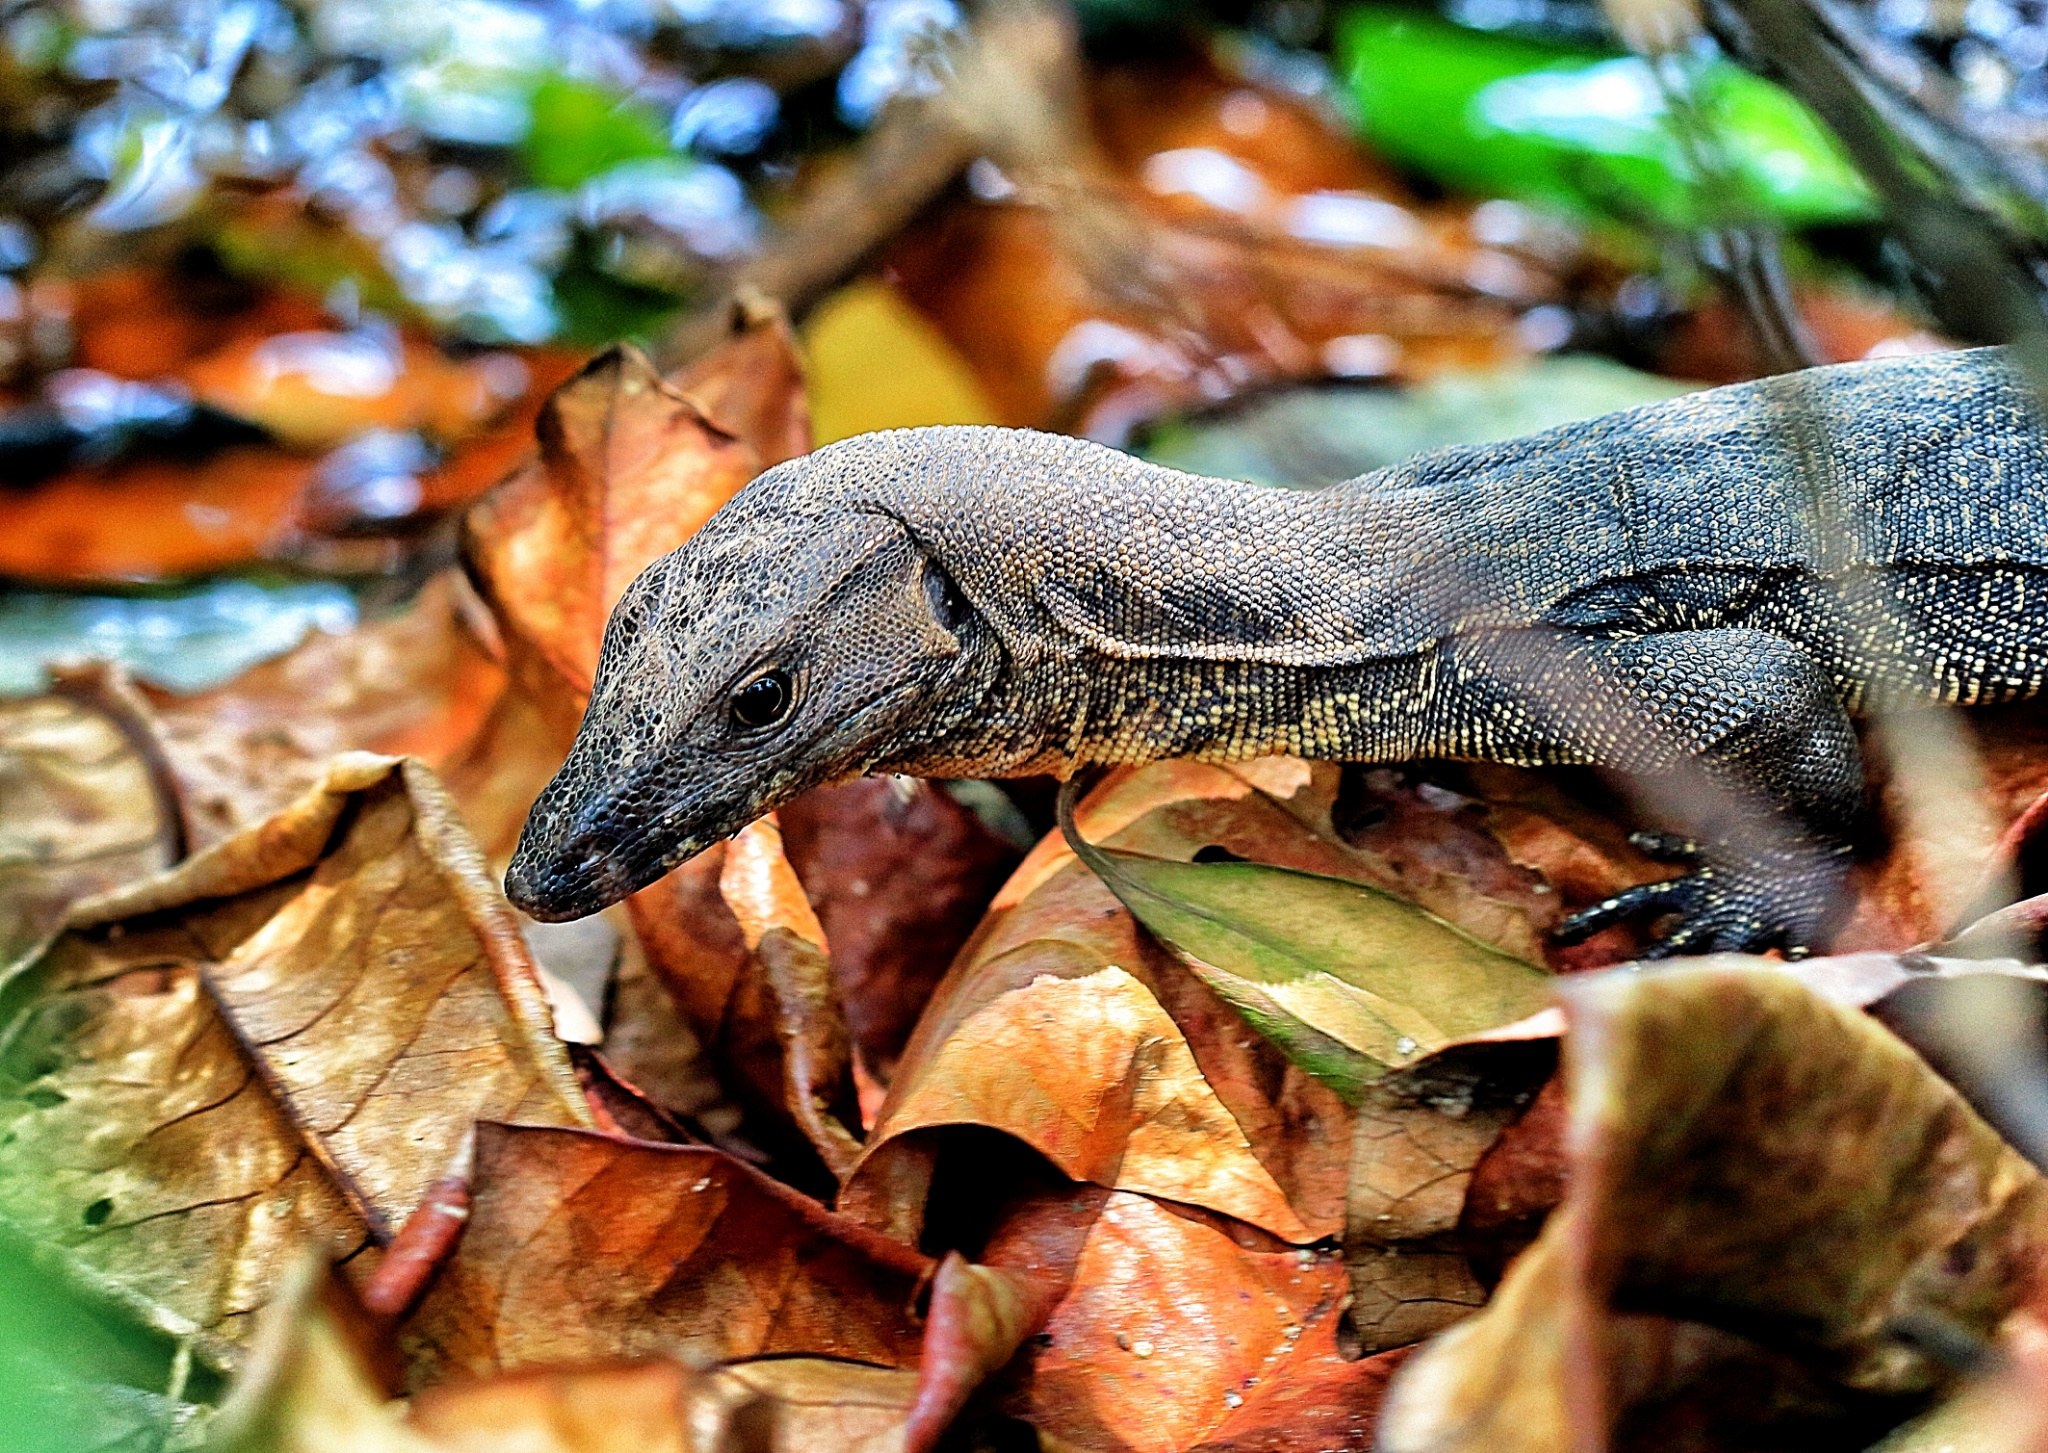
pixel 1257 1112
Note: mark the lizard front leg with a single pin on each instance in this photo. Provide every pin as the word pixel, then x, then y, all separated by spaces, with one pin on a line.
pixel 1734 736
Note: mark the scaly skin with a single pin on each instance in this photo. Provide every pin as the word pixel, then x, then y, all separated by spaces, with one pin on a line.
pixel 1696 594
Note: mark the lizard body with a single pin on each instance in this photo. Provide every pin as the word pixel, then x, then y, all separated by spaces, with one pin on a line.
pixel 1696 594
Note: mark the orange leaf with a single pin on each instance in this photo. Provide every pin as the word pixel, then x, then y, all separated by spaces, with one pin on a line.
pixel 584 1247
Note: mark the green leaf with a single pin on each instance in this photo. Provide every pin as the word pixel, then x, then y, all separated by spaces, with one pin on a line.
pixel 1588 131
pixel 581 130
pixel 1349 981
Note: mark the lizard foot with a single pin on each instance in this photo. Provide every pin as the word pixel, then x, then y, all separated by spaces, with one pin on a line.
pixel 1785 901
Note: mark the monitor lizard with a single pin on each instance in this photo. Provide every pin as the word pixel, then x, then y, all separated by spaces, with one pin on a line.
pixel 1697 594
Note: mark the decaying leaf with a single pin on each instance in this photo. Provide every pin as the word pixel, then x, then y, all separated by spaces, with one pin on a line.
pixel 1747 1154
pixel 786 945
pixel 900 874
pixel 284 1039
pixel 87 804
pixel 1415 1254
pixel 585 1247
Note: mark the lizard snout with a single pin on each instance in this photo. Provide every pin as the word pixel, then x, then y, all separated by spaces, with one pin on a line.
pixel 577 878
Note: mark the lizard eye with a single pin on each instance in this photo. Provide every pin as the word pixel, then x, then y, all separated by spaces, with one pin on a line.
pixel 763 701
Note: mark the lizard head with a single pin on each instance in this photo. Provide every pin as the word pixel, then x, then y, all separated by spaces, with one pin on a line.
pixel 777 650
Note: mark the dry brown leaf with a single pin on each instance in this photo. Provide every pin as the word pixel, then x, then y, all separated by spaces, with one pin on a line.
pixel 629 466
pixel 900 874
pixel 1744 1152
pixel 585 1247
pixel 87 806
pixel 1166 1321
pixel 308 1388
pixel 1066 1026
pixel 786 946
pixel 417 683
pixel 784 1405
pixel 286 1038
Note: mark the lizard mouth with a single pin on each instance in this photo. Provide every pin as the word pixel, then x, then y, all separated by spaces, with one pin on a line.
pixel 574 868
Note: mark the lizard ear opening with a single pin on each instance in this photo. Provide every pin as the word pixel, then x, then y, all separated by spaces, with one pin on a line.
pixel 948 606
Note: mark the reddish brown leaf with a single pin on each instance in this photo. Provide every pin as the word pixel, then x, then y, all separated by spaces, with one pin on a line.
pixel 900 874
pixel 977 1318
pixel 585 1247
pixel 787 947
pixel 309 1388
pixel 286 1038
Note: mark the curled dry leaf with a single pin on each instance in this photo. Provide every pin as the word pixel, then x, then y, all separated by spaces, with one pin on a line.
pixel 1744 1153
pixel 87 808
pixel 630 464
pixel 284 1039
pixel 1167 1322
pixel 309 1388
pixel 584 1247
pixel 787 948
pixel 976 1319
pixel 783 1405
pixel 417 683
pixel 1061 994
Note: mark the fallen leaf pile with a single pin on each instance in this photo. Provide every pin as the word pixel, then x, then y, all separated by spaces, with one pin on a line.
pixel 1215 1108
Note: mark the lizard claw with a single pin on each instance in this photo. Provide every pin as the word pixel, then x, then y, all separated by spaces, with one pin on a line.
pixel 1785 901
